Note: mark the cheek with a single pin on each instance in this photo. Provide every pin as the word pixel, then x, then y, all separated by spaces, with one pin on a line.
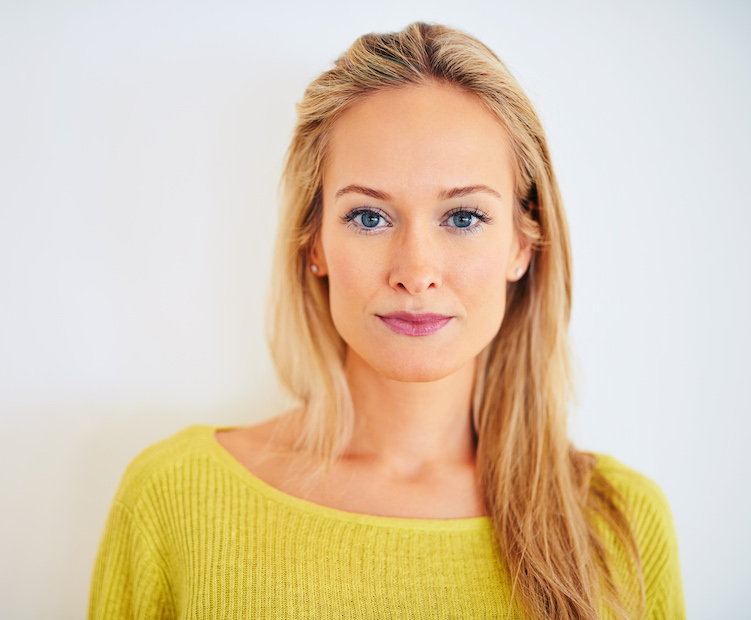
pixel 351 276
pixel 481 284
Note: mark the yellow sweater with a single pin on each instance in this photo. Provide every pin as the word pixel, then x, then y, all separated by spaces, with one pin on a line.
pixel 193 534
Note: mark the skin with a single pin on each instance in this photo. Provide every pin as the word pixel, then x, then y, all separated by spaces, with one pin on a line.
pixel 393 159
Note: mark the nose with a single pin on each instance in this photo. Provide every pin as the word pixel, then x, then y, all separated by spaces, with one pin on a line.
pixel 415 264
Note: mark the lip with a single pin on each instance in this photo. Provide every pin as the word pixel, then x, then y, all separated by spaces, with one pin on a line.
pixel 415 324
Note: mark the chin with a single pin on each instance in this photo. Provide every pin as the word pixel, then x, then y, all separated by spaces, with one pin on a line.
pixel 419 370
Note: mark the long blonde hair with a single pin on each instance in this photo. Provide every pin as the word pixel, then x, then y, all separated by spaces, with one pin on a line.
pixel 541 494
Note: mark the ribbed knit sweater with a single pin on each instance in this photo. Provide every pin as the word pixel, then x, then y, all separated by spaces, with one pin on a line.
pixel 193 534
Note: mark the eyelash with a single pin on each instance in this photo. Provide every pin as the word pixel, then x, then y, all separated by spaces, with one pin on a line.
pixel 349 219
pixel 482 217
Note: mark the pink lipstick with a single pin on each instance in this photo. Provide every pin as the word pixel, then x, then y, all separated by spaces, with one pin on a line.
pixel 410 324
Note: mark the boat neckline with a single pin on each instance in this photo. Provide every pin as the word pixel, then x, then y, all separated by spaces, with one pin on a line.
pixel 208 434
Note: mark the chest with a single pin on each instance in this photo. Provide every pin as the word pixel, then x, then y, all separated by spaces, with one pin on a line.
pixel 267 561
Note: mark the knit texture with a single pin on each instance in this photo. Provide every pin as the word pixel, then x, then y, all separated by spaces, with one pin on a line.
pixel 193 534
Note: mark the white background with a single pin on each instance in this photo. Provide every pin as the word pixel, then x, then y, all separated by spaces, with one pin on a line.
pixel 140 149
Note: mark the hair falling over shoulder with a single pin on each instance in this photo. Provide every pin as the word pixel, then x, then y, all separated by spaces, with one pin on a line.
pixel 546 500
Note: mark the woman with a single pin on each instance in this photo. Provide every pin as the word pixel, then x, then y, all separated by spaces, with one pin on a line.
pixel 420 318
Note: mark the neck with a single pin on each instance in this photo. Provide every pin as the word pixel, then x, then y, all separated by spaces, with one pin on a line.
pixel 407 427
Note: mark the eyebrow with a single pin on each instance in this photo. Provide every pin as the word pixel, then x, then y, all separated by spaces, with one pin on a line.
pixel 459 192
pixel 361 189
pixel 455 192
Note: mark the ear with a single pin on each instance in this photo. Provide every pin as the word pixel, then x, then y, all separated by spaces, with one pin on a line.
pixel 520 258
pixel 318 259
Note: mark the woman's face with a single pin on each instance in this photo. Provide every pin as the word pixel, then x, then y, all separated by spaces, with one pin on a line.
pixel 417 238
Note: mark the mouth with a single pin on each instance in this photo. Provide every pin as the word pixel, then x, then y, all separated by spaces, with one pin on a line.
pixel 409 324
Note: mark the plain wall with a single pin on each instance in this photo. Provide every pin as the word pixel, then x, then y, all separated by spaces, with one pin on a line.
pixel 140 150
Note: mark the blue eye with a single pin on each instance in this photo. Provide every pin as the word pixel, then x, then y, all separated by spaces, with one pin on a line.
pixel 369 219
pixel 462 219
pixel 466 219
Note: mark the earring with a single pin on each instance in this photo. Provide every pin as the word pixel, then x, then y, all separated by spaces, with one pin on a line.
pixel 519 272
pixel 314 268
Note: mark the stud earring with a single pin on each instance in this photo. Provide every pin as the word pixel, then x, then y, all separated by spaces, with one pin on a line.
pixel 519 272
pixel 314 268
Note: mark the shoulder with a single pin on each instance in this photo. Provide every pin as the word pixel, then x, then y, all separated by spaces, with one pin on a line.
pixel 635 487
pixel 651 520
pixel 156 465
pixel 644 499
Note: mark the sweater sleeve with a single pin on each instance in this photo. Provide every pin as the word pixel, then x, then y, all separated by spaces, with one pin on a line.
pixel 653 527
pixel 128 582
pixel 665 591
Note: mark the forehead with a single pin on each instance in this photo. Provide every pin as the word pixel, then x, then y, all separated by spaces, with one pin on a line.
pixel 418 138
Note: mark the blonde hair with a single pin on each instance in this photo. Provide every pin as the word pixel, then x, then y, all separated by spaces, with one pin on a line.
pixel 542 495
